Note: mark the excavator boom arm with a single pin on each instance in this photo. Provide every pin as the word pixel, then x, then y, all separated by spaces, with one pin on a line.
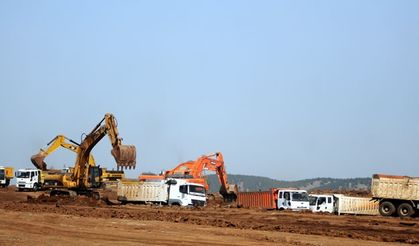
pixel 211 162
pixel 57 142
pixel 125 155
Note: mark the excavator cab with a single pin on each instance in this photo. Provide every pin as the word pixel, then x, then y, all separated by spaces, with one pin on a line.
pixel 95 173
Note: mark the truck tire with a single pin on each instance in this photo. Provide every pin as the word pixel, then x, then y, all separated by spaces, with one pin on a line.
pixel 387 208
pixel 35 187
pixel 405 210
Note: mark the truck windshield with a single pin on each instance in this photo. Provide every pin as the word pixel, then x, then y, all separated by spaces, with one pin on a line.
pixel 23 175
pixel 1 174
pixel 301 197
pixel 312 200
pixel 196 189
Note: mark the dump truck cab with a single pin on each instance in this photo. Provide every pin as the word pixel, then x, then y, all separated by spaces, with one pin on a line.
pixel 30 179
pixel 293 199
pixel 322 203
pixel 184 193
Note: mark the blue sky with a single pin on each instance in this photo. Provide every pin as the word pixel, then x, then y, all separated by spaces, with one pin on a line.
pixel 285 89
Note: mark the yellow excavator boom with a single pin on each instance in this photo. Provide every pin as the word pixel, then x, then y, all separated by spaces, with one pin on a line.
pixel 125 155
pixel 53 145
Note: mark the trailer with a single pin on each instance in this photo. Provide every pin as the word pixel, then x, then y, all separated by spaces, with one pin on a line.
pixel 170 192
pixel 275 198
pixel 396 194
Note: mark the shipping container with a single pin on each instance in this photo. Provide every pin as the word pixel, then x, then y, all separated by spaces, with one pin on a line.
pixel 258 199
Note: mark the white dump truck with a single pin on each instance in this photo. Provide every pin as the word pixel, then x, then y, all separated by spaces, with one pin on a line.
pixel 396 194
pixel 169 191
pixel 341 204
pixel 29 179
pixel 6 174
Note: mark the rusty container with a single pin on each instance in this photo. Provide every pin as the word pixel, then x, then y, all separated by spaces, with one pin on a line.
pixel 258 199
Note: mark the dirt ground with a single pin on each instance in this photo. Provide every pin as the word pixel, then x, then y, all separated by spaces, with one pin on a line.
pixel 43 221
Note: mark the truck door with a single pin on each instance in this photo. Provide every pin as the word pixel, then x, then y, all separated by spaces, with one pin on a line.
pixel 329 207
pixel 287 199
pixel 313 203
pixel 321 204
pixel 32 178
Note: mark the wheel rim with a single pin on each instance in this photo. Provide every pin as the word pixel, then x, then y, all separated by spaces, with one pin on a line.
pixel 404 211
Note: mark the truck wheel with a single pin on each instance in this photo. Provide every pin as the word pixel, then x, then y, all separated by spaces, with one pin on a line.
pixel 387 209
pixel 96 195
pixel 35 187
pixel 405 210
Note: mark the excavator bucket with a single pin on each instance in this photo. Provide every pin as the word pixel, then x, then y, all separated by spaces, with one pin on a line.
pixel 38 161
pixel 229 195
pixel 125 156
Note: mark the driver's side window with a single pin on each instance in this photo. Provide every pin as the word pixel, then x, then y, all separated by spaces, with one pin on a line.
pixel 183 189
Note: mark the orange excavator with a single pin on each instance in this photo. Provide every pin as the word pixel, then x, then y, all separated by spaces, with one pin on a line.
pixel 194 172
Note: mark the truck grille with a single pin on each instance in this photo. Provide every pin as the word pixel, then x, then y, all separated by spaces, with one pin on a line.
pixel 198 203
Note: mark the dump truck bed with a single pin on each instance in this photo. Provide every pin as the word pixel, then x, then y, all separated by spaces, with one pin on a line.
pixel 395 187
pixel 8 172
pixel 356 205
pixel 135 191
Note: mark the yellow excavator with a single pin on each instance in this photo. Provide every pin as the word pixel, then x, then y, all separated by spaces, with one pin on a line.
pixel 84 175
pixel 58 177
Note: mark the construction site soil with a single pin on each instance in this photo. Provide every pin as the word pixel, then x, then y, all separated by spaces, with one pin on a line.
pixel 38 217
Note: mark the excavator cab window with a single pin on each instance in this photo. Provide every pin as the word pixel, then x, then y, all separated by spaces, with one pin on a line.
pixel 94 176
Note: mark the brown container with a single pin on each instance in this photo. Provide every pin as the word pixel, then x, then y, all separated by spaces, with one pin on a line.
pixel 258 199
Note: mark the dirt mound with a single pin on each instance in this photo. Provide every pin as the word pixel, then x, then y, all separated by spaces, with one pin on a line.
pixel 217 214
pixel 215 200
pixel 59 201
pixel 10 194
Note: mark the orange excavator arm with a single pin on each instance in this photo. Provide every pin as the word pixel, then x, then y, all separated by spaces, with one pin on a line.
pixel 193 170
